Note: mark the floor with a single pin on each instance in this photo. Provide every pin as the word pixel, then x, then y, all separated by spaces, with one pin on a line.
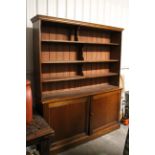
pixel 109 144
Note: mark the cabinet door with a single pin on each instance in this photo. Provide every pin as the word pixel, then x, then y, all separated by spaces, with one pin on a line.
pixel 68 118
pixel 105 110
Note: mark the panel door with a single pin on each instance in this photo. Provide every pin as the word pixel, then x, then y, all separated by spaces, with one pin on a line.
pixel 105 110
pixel 68 118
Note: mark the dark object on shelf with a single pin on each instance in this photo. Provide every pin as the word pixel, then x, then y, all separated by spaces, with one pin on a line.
pixel 28 102
pixel 39 133
pixel 76 75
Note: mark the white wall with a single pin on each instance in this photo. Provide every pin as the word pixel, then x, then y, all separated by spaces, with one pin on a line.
pixel 107 12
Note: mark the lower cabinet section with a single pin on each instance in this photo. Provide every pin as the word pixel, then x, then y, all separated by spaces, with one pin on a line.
pixel 69 119
pixel 82 119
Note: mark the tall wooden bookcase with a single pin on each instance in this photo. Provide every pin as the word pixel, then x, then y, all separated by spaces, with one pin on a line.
pixel 76 71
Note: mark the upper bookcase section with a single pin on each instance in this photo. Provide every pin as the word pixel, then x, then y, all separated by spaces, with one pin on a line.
pixel 75 23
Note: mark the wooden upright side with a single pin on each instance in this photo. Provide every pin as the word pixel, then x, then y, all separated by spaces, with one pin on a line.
pixel 115 53
pixel 36 60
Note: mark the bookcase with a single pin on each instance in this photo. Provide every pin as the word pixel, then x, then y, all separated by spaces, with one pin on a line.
pixel 76 74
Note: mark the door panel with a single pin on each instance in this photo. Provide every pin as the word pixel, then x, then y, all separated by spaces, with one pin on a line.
pixel 105 109
pixel 68 118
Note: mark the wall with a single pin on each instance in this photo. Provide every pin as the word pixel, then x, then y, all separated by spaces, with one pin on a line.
pixel 107 12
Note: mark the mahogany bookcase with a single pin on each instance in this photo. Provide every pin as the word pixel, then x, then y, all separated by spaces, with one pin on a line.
pixel 76 72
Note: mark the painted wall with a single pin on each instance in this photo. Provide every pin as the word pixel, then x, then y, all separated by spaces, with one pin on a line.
pixel 107 12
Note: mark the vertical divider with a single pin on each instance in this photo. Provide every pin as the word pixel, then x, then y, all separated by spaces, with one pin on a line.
pixel 79 57
pixel 70 34
pixel 77 33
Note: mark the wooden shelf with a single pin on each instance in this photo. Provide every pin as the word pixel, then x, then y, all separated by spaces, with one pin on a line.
pixel 79 61
pixel 77 92
pixel 79 42
pixel 78 77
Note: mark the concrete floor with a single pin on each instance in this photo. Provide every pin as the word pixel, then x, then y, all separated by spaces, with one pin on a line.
pixel 109 144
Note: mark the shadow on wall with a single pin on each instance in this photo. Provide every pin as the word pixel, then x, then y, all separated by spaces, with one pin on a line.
pixel 29 58
pixel 29 50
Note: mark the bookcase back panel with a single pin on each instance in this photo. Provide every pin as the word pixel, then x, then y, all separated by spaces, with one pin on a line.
pixel 101 80
pixel 115 52
pixel 48 88
pixel 58 86
pixel 93 35
pixel 54 87
pixel 58 52
pixel 54 32
pixel 59 71
pixel 114 80
pixel 91 82
pixel 96 53
pixel 114 67
pixel 95 69
pixel 116 37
